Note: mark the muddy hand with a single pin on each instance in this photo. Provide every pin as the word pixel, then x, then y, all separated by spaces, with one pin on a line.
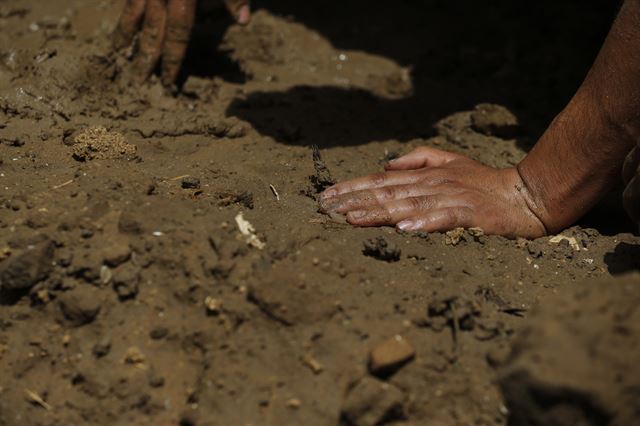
pixel 432 190
pixel 165 28
pixel 631 176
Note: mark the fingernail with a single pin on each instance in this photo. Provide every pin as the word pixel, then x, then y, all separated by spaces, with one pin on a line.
pixel 244 15
pixel 328 194
pixel 357 214
pixel 406 225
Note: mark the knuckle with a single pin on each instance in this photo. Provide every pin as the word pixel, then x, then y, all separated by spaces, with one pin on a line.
pixel 379 179
pixel 385 193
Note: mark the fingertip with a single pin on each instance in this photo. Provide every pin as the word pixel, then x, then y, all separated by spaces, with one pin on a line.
pixel 329 193
pixel 244 15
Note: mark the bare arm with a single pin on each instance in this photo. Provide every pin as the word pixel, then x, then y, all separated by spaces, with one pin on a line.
pixel 581 154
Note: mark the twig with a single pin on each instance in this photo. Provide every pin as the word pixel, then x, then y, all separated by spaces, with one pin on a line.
pixel 275 192
pixel 69 182
pixel 178 178
pixel 37 399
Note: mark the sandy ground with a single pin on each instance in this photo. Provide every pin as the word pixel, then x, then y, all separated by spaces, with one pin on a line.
pixel 129 296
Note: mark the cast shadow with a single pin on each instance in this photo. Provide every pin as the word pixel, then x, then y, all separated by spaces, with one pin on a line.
pixel 624 258
pixel 530 59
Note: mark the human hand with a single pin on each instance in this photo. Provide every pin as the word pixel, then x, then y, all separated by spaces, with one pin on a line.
pixel 631 177
pixel 165 33
pixel 433 190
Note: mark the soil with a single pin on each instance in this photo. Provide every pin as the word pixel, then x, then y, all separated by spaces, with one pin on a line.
pixel 162 256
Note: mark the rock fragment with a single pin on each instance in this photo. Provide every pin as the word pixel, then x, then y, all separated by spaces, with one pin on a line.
pixel 371 402
pixel 381 249
pixel 27 269
pixel 390 355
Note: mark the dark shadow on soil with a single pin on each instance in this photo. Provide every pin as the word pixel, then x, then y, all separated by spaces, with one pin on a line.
pixel 625 258
pixel 204 57
pixel 528 58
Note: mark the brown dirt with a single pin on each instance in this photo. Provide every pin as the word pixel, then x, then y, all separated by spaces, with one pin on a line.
pixel 130 296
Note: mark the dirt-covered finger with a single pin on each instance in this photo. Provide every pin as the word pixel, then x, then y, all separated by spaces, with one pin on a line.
pixel 377 180
pixel 129 23
pixel 155 18
pixel 443 219
pixel 396 211
pixel 372 197
pixel 631 197
pixel 180 19
pixel 240 10
pixel 422 157
pixel 631 164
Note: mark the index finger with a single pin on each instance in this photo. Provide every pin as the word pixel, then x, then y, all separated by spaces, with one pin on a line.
pixel 128 23
pixel 377 180
pixel 180 18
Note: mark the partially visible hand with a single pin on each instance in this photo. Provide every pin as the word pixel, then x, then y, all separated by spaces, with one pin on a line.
pixel 631 176
pixel 432 190
pixel 166 29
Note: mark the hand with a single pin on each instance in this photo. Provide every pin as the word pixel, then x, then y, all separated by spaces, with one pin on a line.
pixel 166 30
pixel 631 176
pixel 432 190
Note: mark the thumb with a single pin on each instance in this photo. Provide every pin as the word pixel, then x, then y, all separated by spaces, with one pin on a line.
pixel 422 157
pixel 240 10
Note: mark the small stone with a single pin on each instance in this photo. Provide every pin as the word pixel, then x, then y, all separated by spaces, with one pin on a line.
pixel 126 280
pixel 381 249
pixel 81 305
pixel 386 358
pixel 155 379
pixel 134 356
pixel 294 403
pixel 159 333
pixel 371 402
pixel 102 348
pixel 213 306
pixel 190 182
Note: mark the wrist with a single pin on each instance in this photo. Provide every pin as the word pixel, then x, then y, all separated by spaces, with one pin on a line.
pixel 574 163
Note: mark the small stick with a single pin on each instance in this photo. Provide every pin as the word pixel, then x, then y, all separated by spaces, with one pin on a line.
pixel 69 182
pixel 37 399
pixel 275 192
pixel 178 177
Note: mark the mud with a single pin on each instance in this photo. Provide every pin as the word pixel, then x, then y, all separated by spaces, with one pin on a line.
pixel 129 294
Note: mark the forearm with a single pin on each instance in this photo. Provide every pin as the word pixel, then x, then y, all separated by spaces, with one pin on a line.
pixel 581 154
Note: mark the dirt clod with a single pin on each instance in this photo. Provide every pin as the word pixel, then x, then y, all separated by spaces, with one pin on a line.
pixel 371 402
pixel 97 143
pixel 494 120
pixel 24 270
pixel 81 305
pixel 382 249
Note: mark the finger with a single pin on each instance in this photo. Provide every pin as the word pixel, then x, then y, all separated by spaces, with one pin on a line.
pixel 631 164
pixel 180 18
pixel 376 180
pixel 240 10
pixel 128 23
pixel 372 197
pixel 155 17
pixel 631 198
pixel 444 219
pixel 397 211
pixel 422 157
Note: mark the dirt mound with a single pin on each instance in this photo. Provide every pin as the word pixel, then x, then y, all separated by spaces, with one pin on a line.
pixel 576 362
pixel 200 285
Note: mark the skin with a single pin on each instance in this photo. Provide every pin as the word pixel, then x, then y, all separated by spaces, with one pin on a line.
pixel 577 160
pixel 165 28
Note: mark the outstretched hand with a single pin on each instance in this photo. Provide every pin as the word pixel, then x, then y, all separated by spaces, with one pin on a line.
pixel 166 29
pixel 433 190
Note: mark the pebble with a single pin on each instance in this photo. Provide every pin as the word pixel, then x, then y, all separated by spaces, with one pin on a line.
pixel 386 358
pixel 190 182
pixel 371 402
